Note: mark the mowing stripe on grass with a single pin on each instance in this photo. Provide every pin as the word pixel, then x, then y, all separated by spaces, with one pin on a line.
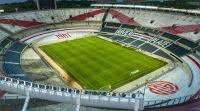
pixel 95 63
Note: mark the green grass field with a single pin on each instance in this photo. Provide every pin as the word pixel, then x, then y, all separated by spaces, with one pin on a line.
pixel 98 64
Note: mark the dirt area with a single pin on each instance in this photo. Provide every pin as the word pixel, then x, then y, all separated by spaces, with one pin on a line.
pixel 62 72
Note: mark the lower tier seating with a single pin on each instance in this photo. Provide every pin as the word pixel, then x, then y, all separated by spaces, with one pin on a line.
pixel 118 38
pixel 12 61
pixel 163 54
pixel 179 51
pixel 148 47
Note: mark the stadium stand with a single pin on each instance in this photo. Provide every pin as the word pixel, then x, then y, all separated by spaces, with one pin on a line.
pixel 137 43
pixel 5 42
pixel 3 35
pixel 128 26
pixel 12 57
pixel 138 40
pixel 84 16
pixel 170 36
pixel 108 30
pixel 17 46
pixel 141 24
pixel 118 38
pixel 120 16
pixel 179 24
pixel 181 29
pixel 20 21
pixel 163 54
pixel 193 36
pixel 12 61
pixel 148 47
pixel 12 28
pixel 188 43
pixel 177 50
pixel 129 40
pixel 105 35
pixel 113 25
pixel 13 70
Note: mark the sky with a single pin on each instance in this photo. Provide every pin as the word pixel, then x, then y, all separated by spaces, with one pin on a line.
pixel 10 1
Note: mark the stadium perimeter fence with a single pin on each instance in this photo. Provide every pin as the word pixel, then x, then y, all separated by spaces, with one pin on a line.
pixel 16 103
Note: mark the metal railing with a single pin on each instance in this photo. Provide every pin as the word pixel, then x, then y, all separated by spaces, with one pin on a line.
pixel 94 98
pixel 170 102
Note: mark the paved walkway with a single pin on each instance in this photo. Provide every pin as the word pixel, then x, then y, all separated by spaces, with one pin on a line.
pixel 178 79
pixel 71 82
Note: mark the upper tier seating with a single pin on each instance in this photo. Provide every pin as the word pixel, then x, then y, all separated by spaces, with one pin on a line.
pixel 3 35
pixel 193 36
pixel 187 25
pixel 156 19
pixel 12 28
pixel 18 21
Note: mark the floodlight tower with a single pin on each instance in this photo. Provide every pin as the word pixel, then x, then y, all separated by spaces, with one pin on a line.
pixel 99 1
pixel 55 3
pixel 37 3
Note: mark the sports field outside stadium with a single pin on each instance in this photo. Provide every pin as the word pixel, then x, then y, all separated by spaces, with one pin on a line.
pixel 98 64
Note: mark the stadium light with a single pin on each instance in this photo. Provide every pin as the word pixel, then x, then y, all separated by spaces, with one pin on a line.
pixel 37 3
pixel 146 82
pixel 1 11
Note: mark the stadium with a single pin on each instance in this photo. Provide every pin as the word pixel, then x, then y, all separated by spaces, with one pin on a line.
pixel 103 57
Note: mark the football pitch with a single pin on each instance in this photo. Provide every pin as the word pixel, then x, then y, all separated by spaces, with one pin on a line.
pixel 98 64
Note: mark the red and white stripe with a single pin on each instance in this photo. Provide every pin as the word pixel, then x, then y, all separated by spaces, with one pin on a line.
pixel 63 36
pixel 162 87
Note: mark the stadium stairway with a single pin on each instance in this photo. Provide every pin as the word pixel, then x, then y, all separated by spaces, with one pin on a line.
pixel 123 18
pixel 105 15
pixel 181 29
pixel 86 15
